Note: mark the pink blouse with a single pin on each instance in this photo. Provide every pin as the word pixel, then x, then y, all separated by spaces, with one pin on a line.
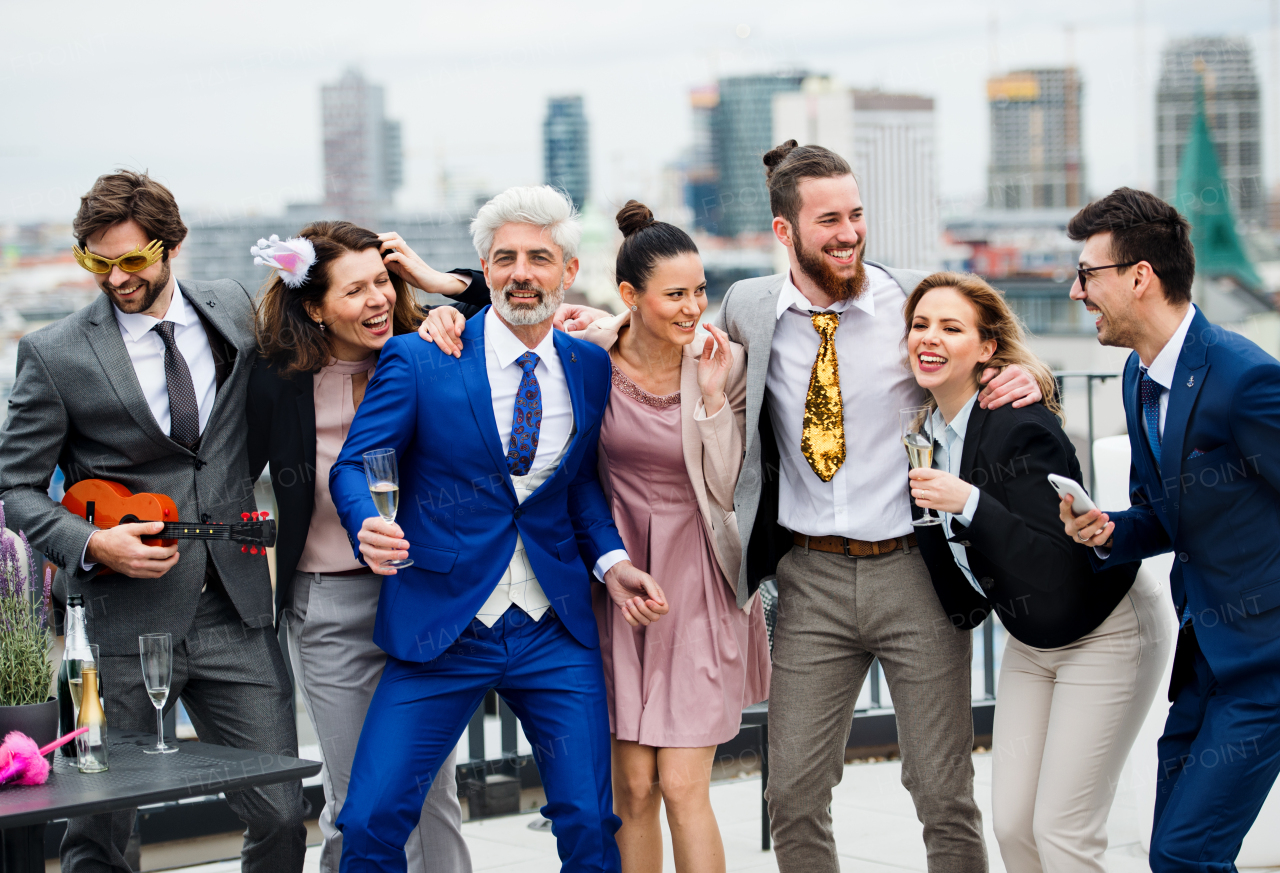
pixel 328 550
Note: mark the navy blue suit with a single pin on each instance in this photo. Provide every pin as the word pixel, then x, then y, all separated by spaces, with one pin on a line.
pixel 1214 500
pixel 460 514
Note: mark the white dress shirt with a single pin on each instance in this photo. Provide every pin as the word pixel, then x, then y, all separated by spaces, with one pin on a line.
pixel 519 586
pixel 947 455
pixel 146 351
pixel 869 497
pixel 1161 369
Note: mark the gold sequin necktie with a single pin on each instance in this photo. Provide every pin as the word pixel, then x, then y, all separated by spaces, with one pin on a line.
pixel 822 441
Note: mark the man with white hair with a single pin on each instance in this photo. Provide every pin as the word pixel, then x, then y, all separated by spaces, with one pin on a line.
pixel 504 521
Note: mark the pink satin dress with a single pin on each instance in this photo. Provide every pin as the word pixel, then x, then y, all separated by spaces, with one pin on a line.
pixel 683 681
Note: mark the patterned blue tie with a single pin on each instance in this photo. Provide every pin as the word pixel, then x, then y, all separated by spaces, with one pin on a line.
pixel 526 422
pixel 1149 393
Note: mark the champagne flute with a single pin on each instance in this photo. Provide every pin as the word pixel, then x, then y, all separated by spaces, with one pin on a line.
pixel 917 436
pixel 156 651
pixel 384 484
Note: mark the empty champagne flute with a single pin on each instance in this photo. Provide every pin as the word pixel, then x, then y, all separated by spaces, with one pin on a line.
pixel 156 651
pixel 384 484
pixel 917 436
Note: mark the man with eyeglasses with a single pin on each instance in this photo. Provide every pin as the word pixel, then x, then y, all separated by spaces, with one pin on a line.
pixel 146 387
pixel 1203 409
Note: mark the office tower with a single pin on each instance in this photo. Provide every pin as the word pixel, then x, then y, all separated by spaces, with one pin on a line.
pixel 1233 112
pixel 566 154
pixel 889 141
pixel 742 132
pixel 701 174
pixel 1036 161
pixel 363 163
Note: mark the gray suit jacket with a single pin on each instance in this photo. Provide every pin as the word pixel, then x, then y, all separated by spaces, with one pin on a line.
pixel 77 404
pixel 748 315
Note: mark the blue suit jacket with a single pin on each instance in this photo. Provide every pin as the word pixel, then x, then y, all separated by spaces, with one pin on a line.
pixel 1215 502
pixel 458 508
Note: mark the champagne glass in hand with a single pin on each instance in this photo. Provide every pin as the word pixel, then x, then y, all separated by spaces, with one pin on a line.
pixel 156 651
pixel 384 484
pixel 918 437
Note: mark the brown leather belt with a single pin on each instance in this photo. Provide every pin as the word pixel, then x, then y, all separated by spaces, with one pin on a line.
pixel 854 548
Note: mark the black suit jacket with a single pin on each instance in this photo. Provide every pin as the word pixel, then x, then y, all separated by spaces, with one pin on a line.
pixel 1040 583
pixel 282 433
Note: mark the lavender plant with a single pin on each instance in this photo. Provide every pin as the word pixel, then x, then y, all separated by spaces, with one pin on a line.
pixel 26 640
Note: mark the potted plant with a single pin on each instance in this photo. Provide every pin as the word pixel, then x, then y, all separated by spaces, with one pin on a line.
pixel 26 645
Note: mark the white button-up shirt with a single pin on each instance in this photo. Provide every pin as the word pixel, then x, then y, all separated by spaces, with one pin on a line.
pixel 519 586
pixel 947 455
pixel 1161 369
pixel 146 350
pixel 869 496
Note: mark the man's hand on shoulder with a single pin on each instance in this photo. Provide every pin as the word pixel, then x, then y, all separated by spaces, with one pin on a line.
pixel 121 549
pixel 635 593
pixel 1011 383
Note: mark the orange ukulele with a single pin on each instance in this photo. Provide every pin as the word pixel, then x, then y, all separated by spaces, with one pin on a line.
pixel 107 504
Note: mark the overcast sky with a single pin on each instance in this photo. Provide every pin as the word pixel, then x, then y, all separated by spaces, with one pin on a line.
pixel 222 103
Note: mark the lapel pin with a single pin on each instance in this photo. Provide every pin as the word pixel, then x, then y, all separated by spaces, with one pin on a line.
pixel 210 303
pixel 573 358
pixel 1191 381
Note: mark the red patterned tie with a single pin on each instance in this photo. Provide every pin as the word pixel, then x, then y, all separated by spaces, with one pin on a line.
pixel 526 421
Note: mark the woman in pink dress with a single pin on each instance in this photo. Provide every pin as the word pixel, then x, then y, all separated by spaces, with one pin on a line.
pixel 670 450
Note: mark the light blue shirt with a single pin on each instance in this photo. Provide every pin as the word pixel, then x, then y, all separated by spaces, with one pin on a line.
pixel 947 456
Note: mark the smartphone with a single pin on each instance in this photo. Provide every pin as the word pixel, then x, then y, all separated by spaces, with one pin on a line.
pixel 1065 486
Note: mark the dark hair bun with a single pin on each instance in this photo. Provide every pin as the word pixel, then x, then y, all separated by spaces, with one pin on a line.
pixel 776 155
pixel 634 217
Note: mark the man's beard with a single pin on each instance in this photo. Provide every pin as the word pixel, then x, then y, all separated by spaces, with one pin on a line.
pixel 145 297
pixel 814 265
pixel 523 314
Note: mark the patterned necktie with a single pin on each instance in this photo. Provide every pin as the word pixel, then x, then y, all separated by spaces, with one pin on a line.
pixel 184 411
pixel 822 440
pixel 1149 392
pixel 526 422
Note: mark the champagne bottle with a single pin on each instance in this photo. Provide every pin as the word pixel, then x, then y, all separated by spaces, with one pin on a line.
pixel 91 747
pixel 69 685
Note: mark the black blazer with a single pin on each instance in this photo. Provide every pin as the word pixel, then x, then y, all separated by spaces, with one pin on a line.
pixel 282 433
pixel 1040 583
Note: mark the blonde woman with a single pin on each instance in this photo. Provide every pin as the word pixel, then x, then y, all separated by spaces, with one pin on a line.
pixel 1085 655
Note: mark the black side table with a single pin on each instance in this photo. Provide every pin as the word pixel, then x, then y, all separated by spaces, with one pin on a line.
pixel 134 779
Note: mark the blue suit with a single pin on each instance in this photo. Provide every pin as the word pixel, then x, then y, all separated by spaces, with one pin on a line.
pixel 460 514
pixel 1213 499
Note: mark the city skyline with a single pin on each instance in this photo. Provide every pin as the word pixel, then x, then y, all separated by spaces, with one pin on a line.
pixel 237 129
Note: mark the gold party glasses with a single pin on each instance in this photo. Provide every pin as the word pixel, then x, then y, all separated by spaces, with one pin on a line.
pixel 132 262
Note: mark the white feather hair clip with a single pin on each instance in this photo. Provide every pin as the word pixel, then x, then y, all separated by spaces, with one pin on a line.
pixel 291 258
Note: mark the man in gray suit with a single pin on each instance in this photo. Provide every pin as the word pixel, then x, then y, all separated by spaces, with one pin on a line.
pixel 822 502
pixel 146 387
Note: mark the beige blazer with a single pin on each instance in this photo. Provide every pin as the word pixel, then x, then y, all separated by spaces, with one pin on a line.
pixel 712 445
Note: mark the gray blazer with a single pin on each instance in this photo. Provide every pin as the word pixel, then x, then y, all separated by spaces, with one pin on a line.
pixel 748 315
pixel 77 404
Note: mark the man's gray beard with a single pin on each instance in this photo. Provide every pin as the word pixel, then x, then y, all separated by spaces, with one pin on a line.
pixel 522 316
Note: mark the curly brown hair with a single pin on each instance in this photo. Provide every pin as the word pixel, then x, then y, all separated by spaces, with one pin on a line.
pixel 125 195
pixel 286 334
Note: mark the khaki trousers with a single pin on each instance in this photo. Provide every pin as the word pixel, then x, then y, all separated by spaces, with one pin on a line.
pixel 835 614
pixel 1065 721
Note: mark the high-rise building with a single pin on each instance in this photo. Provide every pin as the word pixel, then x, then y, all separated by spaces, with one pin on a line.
pixel 363 162
pixel 743 131
pixel 890 142
pixel 566 153
pixel 1036 159
pixel 701 174
pixel 1233 112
